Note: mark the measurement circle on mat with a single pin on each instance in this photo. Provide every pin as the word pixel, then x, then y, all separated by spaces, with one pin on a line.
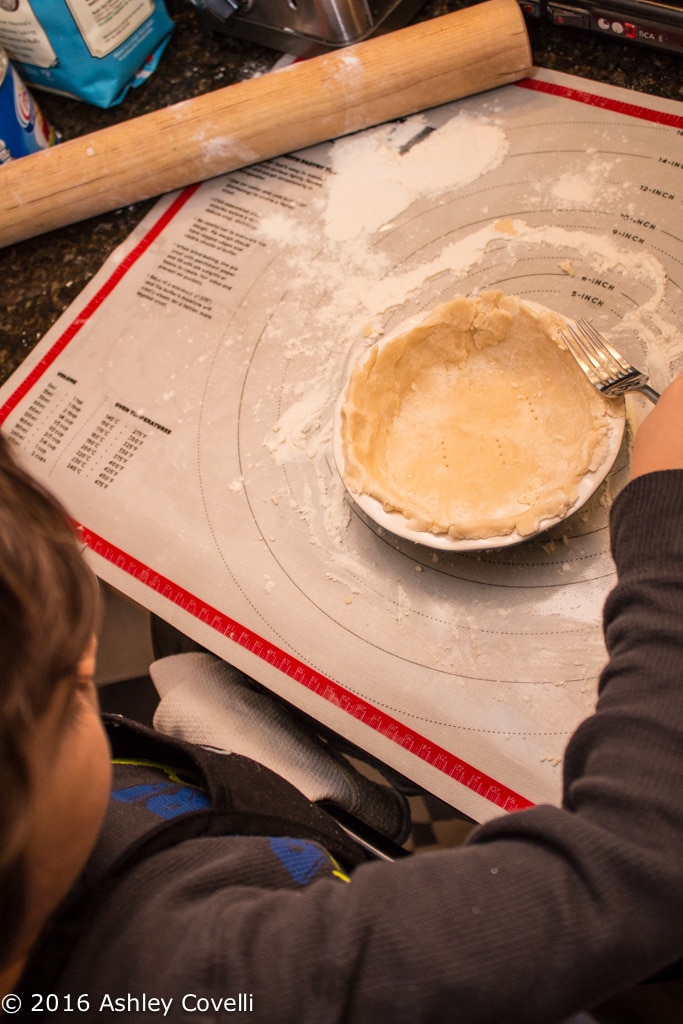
pixel 557 230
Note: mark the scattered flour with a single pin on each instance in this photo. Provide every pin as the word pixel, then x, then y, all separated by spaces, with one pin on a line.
pixel 363 293
pixel 379 173
pixel 594 182
pixel 356 290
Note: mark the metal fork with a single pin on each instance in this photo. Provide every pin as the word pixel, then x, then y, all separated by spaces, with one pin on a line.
pixel 608 371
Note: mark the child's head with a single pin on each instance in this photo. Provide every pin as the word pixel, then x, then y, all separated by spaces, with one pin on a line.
pixel 53 753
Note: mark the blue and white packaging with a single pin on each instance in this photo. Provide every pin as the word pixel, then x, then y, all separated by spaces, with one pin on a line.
pixel 91 50
pixel 23 128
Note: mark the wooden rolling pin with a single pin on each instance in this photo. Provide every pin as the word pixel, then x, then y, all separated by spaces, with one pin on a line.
pixel 378 80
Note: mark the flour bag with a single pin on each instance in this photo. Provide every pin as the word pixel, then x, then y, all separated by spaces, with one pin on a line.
pixel 91 50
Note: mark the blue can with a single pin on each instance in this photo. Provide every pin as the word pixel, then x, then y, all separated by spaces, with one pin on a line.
pixel 23 129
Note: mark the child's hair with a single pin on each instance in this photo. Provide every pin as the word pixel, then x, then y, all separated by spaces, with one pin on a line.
pixel 48 611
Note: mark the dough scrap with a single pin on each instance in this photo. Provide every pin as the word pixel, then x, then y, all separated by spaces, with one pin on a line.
pixel 476 423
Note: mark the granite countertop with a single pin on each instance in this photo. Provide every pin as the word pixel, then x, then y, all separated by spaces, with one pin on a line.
pixel 41 276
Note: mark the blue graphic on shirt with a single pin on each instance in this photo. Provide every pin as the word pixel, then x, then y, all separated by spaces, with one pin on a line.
pixel 166 800
pixel 301 858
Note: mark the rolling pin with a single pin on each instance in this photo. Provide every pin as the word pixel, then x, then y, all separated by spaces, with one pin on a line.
pixel 378 80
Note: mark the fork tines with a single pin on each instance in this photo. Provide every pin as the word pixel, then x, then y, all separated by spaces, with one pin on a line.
pixel 603 365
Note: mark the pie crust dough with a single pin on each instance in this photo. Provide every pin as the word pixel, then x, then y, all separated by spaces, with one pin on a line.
pixel 476 423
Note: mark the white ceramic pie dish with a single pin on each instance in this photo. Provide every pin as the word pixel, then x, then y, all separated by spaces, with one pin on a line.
pixel 396 523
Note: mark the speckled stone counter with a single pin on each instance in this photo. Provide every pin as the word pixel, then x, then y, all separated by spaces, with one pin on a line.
pixel 41 276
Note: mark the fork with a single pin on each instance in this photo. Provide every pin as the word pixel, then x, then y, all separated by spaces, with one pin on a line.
pixel 608 371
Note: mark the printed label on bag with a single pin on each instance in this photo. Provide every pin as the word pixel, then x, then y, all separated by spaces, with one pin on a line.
pixel 106 24
pixel 23 36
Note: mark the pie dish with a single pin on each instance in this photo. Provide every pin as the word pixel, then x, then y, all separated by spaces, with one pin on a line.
pixel 473 426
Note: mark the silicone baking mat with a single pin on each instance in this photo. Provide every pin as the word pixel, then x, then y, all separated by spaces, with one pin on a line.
pixel 182 409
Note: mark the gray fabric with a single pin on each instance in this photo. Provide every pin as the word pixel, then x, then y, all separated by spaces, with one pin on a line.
pixel 542 914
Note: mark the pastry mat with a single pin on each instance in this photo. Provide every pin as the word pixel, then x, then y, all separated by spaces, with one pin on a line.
pixel 182 409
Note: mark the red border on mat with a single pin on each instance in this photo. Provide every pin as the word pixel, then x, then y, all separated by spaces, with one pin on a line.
pixel 389 727
pixel 95 302
pixel 443 760
pixel 603 102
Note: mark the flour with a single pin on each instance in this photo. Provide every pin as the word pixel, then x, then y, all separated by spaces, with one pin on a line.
pixel 379 173
pixel 342 263
pixel 281 229
pixel 360 293
pixel 595 182
pixel 604 255
pixel 300 419
pixel 349 72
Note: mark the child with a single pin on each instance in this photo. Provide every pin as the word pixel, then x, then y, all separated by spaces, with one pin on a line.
pixel 207 887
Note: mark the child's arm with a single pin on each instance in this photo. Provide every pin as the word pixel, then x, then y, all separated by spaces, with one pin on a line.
pixel 543 913
pixel 659 441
